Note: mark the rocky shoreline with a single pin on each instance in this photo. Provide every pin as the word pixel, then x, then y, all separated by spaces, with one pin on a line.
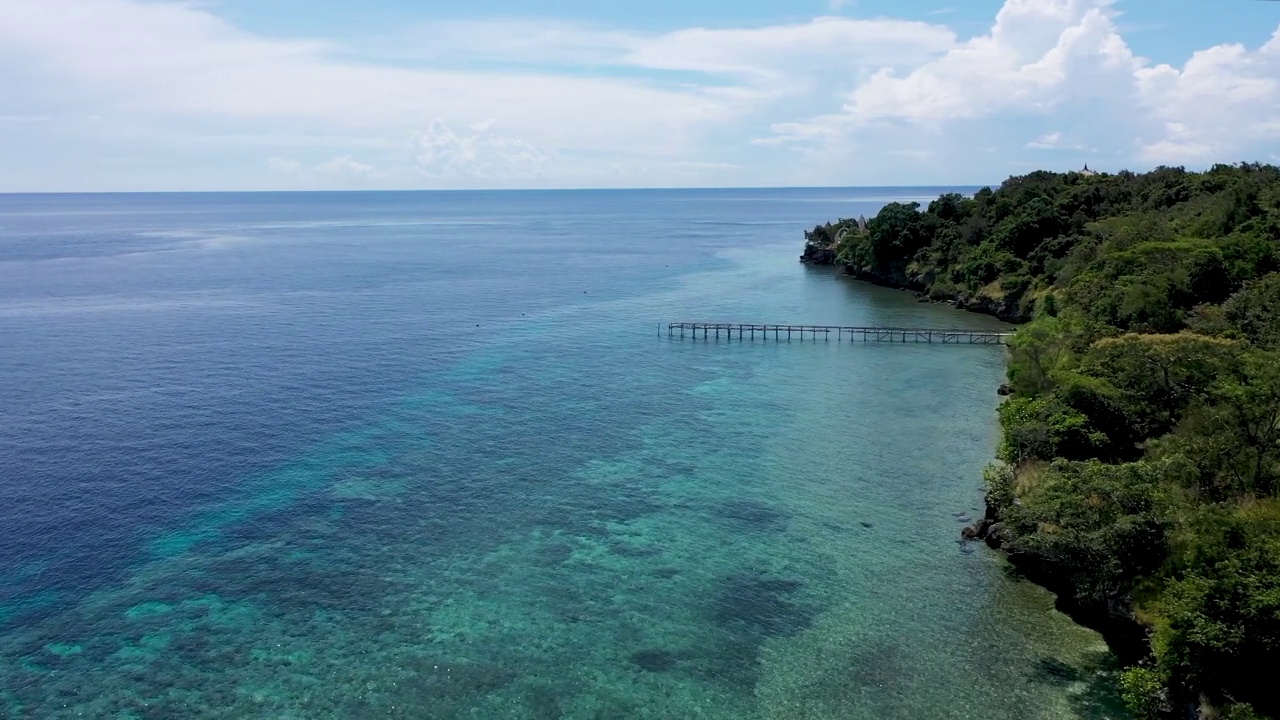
pixel 1007 310
pixel 1113 618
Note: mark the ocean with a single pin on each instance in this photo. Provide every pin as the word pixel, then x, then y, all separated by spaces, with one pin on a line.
pixel 434 455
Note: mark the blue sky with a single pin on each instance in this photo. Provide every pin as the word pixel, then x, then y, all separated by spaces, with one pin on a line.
pixel 333 94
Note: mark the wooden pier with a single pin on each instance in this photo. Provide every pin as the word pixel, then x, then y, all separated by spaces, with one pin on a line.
pixel 778 333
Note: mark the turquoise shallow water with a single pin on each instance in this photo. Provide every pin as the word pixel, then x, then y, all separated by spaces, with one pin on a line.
pixel 432 457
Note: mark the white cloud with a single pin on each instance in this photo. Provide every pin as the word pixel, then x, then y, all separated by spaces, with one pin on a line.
pixel 284 165
pixel 155 71
pixel 345 165
pixel 1064 62
pixel 1056 141
pixel 478 153
pixel 749 68
pixel 1174 152
pixel 341 168
pixel 823 129
pixel 1224 100
pixel 180 91
pixel 819 47
pixel 1039 55
pixel 1049 141
pixel 180 61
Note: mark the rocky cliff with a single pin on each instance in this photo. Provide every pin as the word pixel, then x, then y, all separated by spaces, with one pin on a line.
pixel 987 301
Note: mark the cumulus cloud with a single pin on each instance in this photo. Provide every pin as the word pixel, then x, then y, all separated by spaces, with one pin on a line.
pixel 1223 100
pixel 478 153
pixel 1065 62
pixel 1039 55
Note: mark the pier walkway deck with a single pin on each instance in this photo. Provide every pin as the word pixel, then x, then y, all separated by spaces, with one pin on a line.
pixel 749 331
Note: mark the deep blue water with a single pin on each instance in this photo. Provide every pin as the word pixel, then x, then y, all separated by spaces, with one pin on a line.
pixel 429 455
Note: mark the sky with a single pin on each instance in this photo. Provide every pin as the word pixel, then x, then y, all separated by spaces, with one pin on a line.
pixel 140 95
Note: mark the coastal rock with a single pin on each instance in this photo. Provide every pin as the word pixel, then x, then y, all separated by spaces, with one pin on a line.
pixel 1003 308
pixel 995 535
pixel 1112 615
pixel 976 531
pixel 819 253
pixel 896 281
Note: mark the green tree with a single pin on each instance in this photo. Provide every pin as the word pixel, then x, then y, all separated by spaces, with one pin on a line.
pixel 1160 375
pixel 1218 627
pixel 1046 428
pixel 1255 311
pixel 1099 524
pixel 1142 461
pixel 896 233
pixel 1246 404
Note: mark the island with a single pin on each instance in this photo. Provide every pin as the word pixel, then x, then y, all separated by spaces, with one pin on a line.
pixel 1138 475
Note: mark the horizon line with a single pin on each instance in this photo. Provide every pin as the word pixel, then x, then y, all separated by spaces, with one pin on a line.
pixel 494 190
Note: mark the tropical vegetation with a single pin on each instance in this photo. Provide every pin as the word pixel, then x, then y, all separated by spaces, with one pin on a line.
pixel 1140 461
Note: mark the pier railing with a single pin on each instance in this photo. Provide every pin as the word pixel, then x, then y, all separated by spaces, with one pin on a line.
pixel 748 331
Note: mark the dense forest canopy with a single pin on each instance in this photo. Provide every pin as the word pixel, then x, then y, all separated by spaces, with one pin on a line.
pixel 1140 250
pixel 1140 471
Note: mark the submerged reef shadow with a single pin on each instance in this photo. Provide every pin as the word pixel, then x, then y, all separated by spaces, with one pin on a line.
pixel 748 609
pixel 753 515
pixel 656 660
pixel 761 606
pixel 1095 694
